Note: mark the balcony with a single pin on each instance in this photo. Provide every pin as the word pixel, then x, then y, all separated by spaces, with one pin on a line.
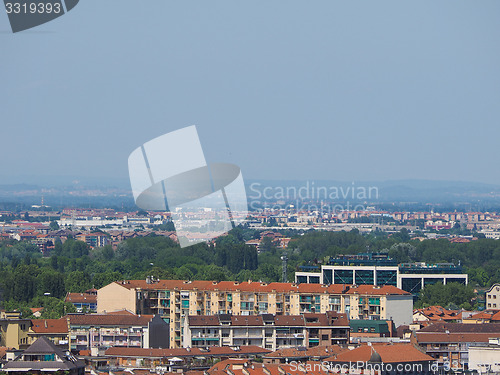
pixel 206 336
pixel 290 335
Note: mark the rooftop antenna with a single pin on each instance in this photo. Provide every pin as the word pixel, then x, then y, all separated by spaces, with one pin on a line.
pixel 285 260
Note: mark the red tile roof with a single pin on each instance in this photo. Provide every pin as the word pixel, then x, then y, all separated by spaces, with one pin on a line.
pixel 289 320
pixel 389 353
pixel 247 320
pixel 110 320
pixel 47 326
pixel 317 351
pixel 249 286
pixel 203 320
pixel 81 298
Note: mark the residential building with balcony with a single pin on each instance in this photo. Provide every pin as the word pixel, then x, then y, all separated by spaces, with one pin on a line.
pixel 269 331
pixel 175 300
pixel 55 330
pixel 102 331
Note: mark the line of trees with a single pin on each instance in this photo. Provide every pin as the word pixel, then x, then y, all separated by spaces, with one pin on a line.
pixel 26 276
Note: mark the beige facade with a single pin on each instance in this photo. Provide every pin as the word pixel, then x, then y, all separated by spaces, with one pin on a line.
pixel 116 299
pixel 14 331
pixel 493 297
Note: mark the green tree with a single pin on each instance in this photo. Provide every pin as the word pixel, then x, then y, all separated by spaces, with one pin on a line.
pixel 443 295
pixel 50 281
pixel 53 225
pixel 78 281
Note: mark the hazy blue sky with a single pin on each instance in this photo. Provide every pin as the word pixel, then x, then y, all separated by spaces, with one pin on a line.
pixel 344 90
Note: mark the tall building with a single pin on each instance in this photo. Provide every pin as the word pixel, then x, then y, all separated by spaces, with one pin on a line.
pixel 175 300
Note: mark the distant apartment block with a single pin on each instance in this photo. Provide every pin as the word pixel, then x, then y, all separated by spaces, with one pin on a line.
pixel 379 269
pixel 175 300
pixel 97 239
pixel 267 331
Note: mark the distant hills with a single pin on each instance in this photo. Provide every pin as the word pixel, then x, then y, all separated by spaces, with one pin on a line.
pixel 406 194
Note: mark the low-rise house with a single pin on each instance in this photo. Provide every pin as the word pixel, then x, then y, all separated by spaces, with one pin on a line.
pixel 371 328
pixel 56 330
pixel 382 359
pixel 435 314
pixel 483 317
pixel 175 359
pixel 36 311
pixel 43 357
pixel 448 343
pixel 485 357
pixel 83 302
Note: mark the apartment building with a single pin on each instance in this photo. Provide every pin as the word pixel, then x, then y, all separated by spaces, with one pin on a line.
pixel 97 239
pixel 101 331
pixel 269 331
pixel 175 300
